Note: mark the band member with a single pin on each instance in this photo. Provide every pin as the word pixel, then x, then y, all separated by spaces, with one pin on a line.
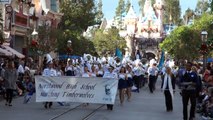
pixel 168 86
pixel 110 74
pixel 129 82
pixel 122 84
pixel 189 84
pixel 69 70
pixel 100 72
pixel 152 72
pixel 49 71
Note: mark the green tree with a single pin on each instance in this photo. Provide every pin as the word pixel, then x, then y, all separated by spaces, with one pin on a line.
pixel 202 7
pixel 182 43
pixel 189 13
pixel 205 23
pixel 108 41
pixel 100 14
pixel 119 13
pixel 46 40
pixel 78 15
pixel 172 8
pixel 211 6
pixel 185 41
pixel 128 5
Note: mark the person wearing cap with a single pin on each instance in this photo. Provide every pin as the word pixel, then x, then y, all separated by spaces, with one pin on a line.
pixel 137 70
pixel 49 72
pixel 113 75
pixel 168 87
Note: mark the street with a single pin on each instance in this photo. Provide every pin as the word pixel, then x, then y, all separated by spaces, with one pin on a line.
pixel 143 106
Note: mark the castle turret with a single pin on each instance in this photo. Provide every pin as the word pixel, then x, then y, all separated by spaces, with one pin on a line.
pixel 131 21
pixel 159 7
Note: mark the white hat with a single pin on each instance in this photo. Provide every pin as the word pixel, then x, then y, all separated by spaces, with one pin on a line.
pixel 49 58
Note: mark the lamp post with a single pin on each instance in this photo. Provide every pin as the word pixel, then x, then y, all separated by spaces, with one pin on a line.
pixel 69 47
pixel 204 35
pixel 34 37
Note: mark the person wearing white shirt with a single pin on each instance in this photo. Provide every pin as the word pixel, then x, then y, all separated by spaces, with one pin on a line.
pixel 122 83
pixel 86 72
pixel 20 70
pixel 152 72
pixel 100 71
pixel 137 76
pixel 110 74
pixel 69 70
pixel 93 72
pixel 49 71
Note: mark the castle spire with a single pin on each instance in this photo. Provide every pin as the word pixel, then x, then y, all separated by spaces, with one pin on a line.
pixel 131 14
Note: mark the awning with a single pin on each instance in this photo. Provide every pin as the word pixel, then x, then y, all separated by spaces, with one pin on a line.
pixel 4 52
pixel 12 51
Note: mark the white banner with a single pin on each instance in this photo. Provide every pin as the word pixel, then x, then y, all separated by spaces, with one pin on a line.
pixel 75 89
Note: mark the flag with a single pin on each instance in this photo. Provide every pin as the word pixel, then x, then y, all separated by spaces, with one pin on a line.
pixel 118 53
pixel 161 60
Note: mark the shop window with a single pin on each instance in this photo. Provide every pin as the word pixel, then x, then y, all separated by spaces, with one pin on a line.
pixel 53 5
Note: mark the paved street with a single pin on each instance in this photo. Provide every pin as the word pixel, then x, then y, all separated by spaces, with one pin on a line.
pixel 143 106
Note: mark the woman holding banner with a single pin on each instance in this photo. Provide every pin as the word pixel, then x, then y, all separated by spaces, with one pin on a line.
pixel 49 71
pixel 86 74
pixel 112 75
pixel 100 72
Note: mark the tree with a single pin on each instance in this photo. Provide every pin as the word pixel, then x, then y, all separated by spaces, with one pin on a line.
pixel 141 3
pixel 182 43
pixel 201 7
pixel 172 8
pixel 185 41
pixel 100 14
pixel 108 41
pixel 119 13
pixel 211 6
pixel 78 15
pixel 46 40
pixel 128 5
pixel 189 13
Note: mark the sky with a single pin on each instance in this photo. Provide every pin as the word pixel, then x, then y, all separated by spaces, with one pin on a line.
pixel 109 7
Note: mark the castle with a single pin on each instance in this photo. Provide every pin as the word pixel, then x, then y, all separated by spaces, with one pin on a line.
pixel 144 32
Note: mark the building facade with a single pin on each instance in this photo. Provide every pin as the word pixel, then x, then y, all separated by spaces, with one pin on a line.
pixel 21 17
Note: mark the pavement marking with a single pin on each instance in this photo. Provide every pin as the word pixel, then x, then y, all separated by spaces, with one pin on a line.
pixel 92 113
pixel 57 116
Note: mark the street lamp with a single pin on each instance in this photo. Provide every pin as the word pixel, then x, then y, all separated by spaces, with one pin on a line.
pixel 34 33
pixel 69 49
pixel 34 37
pixel 204 35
